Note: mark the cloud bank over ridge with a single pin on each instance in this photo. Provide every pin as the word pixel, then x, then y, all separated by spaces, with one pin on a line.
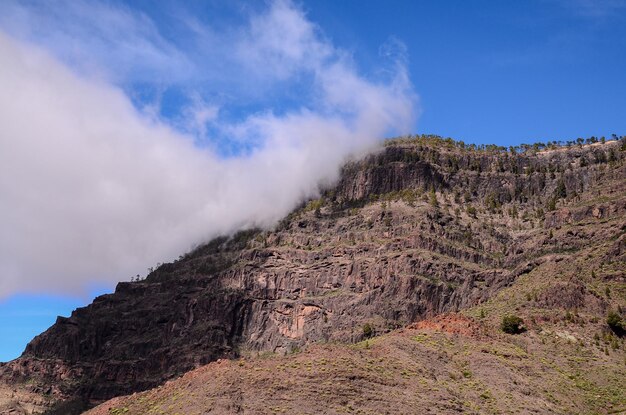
pixel 95 188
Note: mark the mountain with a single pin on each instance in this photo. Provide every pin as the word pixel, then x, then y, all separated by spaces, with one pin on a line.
pixel 426 230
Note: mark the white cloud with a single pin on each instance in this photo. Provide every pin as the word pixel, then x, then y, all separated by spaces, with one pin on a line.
pixel 282 42
pixel 94 190
pixel 199 115
pixel 114 42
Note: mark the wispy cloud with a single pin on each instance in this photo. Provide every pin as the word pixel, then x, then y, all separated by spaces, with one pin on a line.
pixel 96 189
pixel 595 9
pixel 98 38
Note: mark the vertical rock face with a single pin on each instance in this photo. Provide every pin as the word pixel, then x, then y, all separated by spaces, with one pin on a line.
pixel 420 228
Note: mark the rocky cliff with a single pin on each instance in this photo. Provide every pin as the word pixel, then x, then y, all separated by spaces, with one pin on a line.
pixel 422 227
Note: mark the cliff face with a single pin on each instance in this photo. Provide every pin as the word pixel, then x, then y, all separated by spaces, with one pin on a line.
pixel 418 229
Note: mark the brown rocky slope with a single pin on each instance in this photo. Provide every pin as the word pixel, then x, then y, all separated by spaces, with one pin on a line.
pixel 421 228
pixel 447 366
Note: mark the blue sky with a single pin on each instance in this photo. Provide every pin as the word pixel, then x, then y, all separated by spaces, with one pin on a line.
pixel 140 107
pixel 500 71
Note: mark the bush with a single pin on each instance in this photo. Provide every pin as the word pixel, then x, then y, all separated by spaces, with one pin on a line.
pixel 561 191
pixel 616 323
pixel 512 325
pixel 368 331
pixel 433 199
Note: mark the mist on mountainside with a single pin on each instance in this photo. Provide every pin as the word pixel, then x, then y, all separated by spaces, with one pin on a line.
pixel 102 188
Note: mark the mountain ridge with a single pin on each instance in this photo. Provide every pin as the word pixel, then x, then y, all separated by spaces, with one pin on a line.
pixel 424 227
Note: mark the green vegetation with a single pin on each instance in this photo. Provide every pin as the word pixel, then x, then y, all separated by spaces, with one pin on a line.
pixel 616 323
pixel 368 331
pixel 560 192
pixel 433 198
pixel 551 204
pixel 447 142
pixel 314 205
pixel 491 202
pixel 512 324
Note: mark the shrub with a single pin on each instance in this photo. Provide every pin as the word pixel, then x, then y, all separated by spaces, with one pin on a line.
pixel 512 324
pixel 616 323
pixel 314 205
pixel 561 191
pixel 368 331
pixel 433 198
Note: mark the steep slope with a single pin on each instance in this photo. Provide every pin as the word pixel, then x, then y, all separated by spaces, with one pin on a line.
pixel 447 366
pixel 423 227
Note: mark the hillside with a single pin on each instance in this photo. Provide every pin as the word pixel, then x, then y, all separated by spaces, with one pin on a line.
pixel 423 228
pixel 448 366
